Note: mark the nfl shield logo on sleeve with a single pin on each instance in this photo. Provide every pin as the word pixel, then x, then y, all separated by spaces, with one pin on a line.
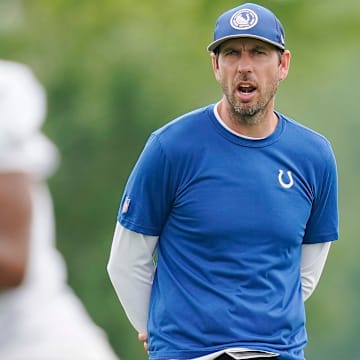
pixel 126 205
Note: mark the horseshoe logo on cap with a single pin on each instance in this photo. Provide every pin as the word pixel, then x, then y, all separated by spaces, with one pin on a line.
pixel 285 185
pixel 244 19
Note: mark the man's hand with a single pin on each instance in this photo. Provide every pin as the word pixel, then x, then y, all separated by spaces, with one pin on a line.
pixel 143 337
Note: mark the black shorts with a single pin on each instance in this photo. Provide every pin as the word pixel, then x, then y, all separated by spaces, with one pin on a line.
pixel 228 357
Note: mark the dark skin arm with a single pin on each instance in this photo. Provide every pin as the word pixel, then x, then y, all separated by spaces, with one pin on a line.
pixel 15 218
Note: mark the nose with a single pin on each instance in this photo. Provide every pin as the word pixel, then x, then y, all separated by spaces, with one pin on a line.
pixel 244 63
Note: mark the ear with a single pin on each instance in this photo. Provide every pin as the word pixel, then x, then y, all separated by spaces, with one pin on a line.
pixel 284 65
pixel 215 66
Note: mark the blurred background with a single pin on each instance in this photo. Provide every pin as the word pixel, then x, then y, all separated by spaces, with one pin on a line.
pixel 116 70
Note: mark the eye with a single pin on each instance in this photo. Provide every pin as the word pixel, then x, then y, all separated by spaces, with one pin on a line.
pixel 231 52
pixel 259 52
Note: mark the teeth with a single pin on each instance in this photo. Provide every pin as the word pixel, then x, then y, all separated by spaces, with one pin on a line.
pixel 245 88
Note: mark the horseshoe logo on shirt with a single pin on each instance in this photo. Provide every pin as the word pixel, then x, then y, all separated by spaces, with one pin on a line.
pixel 285 185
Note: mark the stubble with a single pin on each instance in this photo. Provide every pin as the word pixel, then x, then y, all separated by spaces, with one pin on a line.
pixel 250 114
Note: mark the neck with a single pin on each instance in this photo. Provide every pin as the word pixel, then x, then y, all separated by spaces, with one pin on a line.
pixel 259 125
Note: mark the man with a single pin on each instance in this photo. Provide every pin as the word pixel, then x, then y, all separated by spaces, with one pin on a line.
pixel 240 202
pixel 40 316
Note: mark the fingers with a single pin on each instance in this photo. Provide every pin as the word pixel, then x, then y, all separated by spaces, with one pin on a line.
pixel 144 339
pixel 142 336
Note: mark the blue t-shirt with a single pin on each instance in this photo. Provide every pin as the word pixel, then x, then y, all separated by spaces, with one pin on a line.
pixel 231 215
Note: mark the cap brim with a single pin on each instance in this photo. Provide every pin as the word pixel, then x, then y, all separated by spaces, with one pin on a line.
pixel 212 46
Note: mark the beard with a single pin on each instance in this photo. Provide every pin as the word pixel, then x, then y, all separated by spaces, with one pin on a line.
pixel 250 114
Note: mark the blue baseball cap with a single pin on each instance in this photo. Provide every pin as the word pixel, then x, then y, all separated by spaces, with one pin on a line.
pixel 248 20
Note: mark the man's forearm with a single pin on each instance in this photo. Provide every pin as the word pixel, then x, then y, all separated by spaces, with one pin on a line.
pixel 312 264
pixel 131 270
pixel 15 218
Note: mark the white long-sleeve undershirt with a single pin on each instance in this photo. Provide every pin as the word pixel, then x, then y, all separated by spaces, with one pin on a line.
pixel 131 270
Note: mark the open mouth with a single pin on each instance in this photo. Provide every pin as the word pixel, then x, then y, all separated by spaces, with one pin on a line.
pixel 246 88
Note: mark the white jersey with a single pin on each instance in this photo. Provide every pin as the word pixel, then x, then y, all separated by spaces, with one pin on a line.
pixel 42 319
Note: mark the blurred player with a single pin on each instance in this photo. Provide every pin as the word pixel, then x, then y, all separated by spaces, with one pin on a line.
pixel 40 316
